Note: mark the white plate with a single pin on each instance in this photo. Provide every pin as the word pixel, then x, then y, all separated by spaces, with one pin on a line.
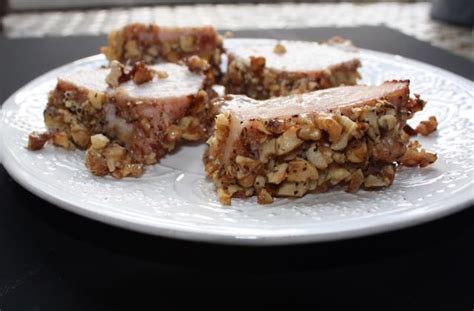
pixel 174 199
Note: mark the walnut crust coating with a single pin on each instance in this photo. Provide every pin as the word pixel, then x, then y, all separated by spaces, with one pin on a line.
pixel 359 148
pixel 103 158
pixel 150 132
pixel 76 112
pixel 153 43
pixel 257 81
pixel 141 133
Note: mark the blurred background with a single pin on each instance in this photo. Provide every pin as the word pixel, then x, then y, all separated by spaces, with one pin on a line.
pixel 444 23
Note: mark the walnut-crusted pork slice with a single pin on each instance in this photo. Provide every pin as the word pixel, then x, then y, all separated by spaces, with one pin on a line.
pixel 143 111
pixel 152 43
pixel 271 68
pixel 289 146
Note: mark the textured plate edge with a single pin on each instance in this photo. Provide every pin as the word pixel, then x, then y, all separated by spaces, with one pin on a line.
pixel 175 231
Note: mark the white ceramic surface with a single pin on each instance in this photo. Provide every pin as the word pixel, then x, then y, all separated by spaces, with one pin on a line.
pixel 174 199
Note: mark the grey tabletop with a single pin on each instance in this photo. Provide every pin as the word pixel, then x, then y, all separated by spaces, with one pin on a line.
pixel 51 259
pixel 412 18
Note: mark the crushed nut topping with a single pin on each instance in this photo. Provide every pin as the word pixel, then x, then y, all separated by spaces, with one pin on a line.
pixel 257 63
pixel 427 127
pixel 61 139
pixel 255 78
pixel 264 197
pixel 117 74
pixel 161 74
pixel 279 49
pixel 312 153
pixel 140 73
pixel 99 141
pixel 340 42
pixel 111 159
pixel 197 64
pixel 416 156
pixel 36 140
pixel 153 43
pixel 409 130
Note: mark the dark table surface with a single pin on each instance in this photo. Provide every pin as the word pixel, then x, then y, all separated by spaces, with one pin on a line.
pixel 51 259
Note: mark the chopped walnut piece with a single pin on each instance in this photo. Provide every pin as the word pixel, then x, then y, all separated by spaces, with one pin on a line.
pixel 259 182
pixel 99 141
pixel 117 71
pixel 409 130
pixel 172 135
pixel 96 99
pixel 279 49
pixel 190 127
pixel 113 159
pixel 388 150
pixel 61 139
pixel 276 126
pixel 80 135
pixel 415 156
pixel 36 141
pixel 197 64
pixel 288 141
pixel 257 63
pixel 331 126
pixel 374 181
pixel 129 169
pixel 336 40
pixel 301 170
pixel 292 189
pixel 96 162
pixel 387 122
pixel 278 174
pixel 357 179
pixel 427 127
pixel 416 104
pixel 187 43
pixel 341 43
pixel 264 197
pixel 337 174
pixel 319 157
pixel 115 156
pixel 246 163
pixel 132 50
pixel 308 132
pixel 267 149
pixel 141 73
pixel 161 74
pixel 224 196
pixel 358 154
